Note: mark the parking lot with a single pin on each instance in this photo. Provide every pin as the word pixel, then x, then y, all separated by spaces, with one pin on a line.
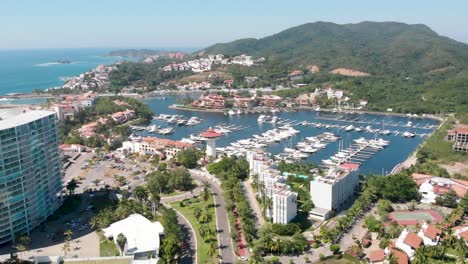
pixel 95 174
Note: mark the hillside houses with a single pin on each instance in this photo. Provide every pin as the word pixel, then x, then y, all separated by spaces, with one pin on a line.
pixel 71 104
pixel 97 78
pixel 123 116
pixel 204 64
pixel 306 99
pixel 210 101
pixel 89 130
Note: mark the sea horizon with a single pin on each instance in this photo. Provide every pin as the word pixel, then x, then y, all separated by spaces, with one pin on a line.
pixel 24 70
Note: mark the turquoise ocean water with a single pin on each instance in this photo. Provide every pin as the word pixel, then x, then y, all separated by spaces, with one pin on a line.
pixel 22 71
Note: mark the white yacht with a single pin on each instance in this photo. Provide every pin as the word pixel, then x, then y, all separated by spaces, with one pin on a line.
pixel 231 112
pixel 261 118
pixel 167 131
pixel 385 132
pixel 349 128
pixel 328 162
pixel 361 141
pixel 408 134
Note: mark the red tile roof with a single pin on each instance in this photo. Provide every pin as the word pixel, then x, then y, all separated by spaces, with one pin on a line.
pixel 377 255
pixel 413 240
pixel 464 235
pixel 350 166
pixel 432 232
pixel 461 130
pixel 400 256
pixel 421 178
pixel 210 133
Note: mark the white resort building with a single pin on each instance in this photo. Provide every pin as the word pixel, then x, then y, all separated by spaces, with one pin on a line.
pixel 284 201
pixel 143 236
pixel 330 192
pixel 431 187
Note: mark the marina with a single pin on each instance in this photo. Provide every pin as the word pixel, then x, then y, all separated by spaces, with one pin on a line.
pixel 309 124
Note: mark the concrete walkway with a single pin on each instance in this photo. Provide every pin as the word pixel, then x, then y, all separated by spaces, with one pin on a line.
pixel 254 204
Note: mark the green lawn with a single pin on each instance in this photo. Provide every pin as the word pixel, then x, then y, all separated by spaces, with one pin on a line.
pixel 187 210
pixel 345 259
pixel 107 248
pixel 440 149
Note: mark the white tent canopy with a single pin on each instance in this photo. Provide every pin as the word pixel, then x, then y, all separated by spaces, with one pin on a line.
pixel 142 234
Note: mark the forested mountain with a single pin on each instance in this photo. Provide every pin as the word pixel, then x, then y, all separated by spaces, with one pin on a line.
pixel 378 48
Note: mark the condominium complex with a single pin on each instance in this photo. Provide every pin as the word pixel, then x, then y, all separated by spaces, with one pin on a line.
pixel 459 137
pixel 332 191
pixel 155 146
pixel 30 170
pixel 284 201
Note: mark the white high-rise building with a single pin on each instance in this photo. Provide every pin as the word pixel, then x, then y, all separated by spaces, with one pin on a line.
pixel 284 207
pixel 330 192
pixel 284 201
pixel 30 170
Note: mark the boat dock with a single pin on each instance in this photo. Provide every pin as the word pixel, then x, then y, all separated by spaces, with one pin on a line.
pixel 357 120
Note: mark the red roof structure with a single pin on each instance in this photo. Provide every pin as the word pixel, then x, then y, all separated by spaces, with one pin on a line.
pixel 210 133
pixel 377 255
pixel 401 257
pixel 350 166
pixel 432 232
pixel 413 240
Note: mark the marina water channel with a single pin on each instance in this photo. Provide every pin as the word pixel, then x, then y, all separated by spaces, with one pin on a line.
pixel 403 133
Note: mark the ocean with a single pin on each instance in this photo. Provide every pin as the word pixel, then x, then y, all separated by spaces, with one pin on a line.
pixel 22 71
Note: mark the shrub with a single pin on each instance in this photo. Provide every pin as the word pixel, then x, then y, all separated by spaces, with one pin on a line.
pixel 335 248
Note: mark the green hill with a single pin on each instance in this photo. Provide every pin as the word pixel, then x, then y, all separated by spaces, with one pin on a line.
pixel 378 48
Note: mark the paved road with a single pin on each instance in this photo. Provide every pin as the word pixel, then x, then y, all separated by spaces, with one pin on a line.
pixel 189 239
pixel 183 196
pixel 222 221
pixel 254 204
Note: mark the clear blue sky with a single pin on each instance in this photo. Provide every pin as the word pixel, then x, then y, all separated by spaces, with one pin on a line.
pixel 198 23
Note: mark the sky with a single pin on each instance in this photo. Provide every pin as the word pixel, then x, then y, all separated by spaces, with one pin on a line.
pixel 30 24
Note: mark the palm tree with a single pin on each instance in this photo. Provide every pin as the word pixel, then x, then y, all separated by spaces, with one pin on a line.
pixel 420 256
pixel 155 199
pixel 140 193
pixel 71 186
pixel 392 259
pixel 203 230
pixel 206 193
pixel 449 237
pixel 213 248
pixel 197 213
pixel 66 248
pixel 394 230
pixel 121 241
pixel 206 217
pixel 68 233
pixel 460 245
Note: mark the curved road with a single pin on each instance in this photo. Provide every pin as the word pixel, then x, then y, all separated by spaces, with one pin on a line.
pixel 222 221
pixel 226 248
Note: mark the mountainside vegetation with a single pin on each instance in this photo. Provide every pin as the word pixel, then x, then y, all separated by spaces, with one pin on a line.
pixel 377 48
pixel 412 68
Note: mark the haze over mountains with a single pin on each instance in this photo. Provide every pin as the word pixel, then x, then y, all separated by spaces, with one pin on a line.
pixel 379 48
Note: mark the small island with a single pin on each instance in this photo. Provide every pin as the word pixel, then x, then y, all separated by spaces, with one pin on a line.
pixel 63 61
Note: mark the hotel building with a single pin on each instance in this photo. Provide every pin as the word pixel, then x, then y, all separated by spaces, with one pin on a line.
pixel 284 201
pixel 330 192
pixel 30 170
